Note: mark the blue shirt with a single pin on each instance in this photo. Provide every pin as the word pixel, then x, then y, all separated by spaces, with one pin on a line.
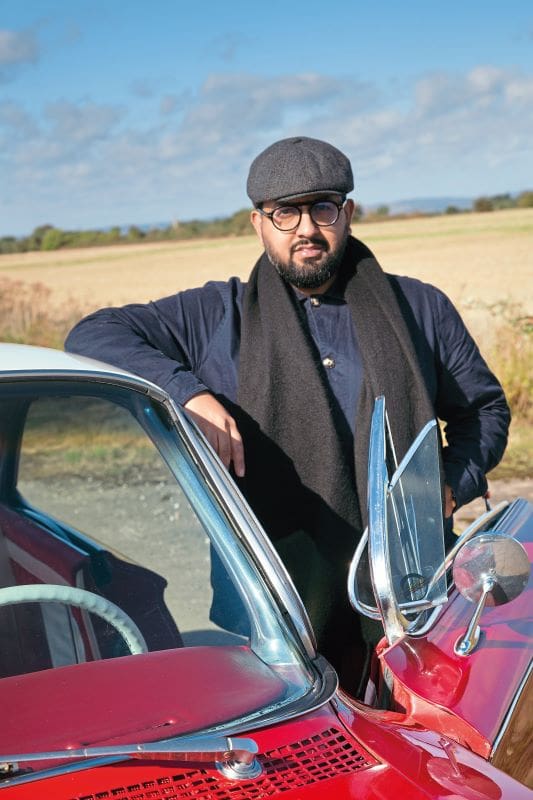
pixel 189 342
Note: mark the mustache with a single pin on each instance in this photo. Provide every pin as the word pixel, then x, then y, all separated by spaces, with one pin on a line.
pixel 318 240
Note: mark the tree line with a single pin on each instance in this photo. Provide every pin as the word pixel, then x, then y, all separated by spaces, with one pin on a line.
pixel 48 237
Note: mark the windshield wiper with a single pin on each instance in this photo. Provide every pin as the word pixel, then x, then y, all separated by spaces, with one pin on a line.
pixel 234 757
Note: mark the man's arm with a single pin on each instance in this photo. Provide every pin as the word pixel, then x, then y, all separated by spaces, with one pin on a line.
pixel 219 428
pixel 151 340
pixel 471 402
pixel 164 342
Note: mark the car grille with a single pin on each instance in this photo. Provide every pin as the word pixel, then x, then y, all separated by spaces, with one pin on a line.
pixel 317 758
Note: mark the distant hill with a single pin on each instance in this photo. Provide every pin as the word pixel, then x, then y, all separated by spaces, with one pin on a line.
pixel 426 205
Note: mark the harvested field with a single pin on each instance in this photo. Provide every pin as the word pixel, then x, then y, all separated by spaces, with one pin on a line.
pixel 484 262
pixel 477 259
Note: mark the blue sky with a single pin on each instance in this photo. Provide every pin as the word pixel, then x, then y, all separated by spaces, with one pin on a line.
pixel 145 112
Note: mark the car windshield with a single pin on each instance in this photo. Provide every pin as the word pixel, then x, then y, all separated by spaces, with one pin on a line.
pixel 100 495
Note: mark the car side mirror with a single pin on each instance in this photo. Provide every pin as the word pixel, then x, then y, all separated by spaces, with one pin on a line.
pixel 490 569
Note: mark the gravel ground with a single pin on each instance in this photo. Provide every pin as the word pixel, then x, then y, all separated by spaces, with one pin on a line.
pixel 149 524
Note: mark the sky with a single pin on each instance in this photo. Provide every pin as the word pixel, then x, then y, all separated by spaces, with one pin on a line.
pixel 115 113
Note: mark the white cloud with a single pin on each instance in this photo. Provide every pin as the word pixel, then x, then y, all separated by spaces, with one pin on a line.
pixel 449 131
pixel 14 118
pixel 17 47
pixel 81 123
pixel 171 103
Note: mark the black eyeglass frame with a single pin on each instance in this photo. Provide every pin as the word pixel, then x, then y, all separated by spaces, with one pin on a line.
pixel 298 207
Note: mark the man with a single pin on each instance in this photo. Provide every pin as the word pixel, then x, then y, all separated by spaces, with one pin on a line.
pixel 281 373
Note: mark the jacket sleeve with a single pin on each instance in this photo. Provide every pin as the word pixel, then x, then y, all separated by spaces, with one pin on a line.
pixel 471 403
pixel 163 341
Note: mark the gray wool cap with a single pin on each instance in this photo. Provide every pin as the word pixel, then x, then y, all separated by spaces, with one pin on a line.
pixel 296 167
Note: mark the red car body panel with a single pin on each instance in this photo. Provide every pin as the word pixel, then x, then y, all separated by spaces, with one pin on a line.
pixel 143 696
pixel 442 690
pixel 317 756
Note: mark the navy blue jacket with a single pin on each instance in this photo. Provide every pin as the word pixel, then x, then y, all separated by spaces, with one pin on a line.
pixel 190 342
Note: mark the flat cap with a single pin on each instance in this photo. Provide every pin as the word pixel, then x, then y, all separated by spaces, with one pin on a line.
pixel 296 167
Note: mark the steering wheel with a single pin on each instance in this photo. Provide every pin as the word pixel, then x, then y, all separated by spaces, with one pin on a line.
pixel 81 598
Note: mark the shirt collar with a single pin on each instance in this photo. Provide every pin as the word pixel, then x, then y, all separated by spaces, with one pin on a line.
pixel 335 293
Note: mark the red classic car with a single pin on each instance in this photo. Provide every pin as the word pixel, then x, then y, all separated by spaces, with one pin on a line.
pixel 152 644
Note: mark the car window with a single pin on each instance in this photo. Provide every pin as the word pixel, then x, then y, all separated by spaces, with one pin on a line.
pixel 87 462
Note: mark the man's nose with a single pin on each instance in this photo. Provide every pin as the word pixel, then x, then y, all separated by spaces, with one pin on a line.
pixel 307 225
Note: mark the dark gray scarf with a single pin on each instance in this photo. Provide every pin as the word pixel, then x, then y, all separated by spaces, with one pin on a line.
pixel 306 478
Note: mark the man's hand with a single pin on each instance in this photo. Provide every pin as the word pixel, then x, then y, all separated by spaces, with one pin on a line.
pixel 219 428
pixel 449 501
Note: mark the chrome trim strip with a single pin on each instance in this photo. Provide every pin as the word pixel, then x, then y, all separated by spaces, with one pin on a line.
pixel 116 379
pixel 244 520
pixel 353 594
pixel 510 711
pixel 394 623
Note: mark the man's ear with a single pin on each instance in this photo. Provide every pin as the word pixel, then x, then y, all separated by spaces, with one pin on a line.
pixel 348 209
pixel 255 219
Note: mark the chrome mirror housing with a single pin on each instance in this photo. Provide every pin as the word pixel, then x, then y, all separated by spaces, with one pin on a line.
pixel 491 569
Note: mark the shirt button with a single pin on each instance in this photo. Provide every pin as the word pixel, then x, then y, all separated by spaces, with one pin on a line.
pixel 315 301
pixel 328 362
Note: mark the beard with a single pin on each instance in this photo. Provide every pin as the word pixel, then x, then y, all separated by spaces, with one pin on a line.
pixel 309 273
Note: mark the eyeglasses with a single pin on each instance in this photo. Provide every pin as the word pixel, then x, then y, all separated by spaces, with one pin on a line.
pixel 287 218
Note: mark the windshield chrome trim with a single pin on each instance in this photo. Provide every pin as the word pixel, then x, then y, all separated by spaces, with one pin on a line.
pixel 394 623
pixel 118 378
pixel 353 592
pixel 244 521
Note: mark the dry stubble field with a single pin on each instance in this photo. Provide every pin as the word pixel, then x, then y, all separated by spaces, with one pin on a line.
pixel 474 258
pixel 477 259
